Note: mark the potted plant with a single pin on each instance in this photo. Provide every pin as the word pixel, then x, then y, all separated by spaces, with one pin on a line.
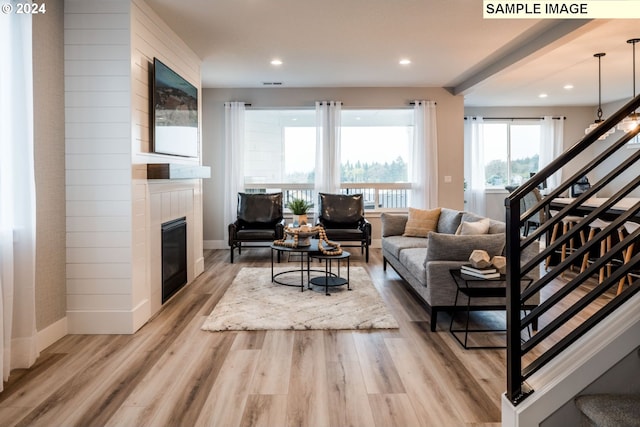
pixel 299 208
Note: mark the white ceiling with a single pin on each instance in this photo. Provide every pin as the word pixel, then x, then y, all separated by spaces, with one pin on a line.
pixel 358 43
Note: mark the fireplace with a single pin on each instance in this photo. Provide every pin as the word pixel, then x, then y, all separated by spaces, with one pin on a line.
pixel 174 257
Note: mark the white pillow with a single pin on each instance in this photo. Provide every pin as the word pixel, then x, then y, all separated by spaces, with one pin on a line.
pixel 473 228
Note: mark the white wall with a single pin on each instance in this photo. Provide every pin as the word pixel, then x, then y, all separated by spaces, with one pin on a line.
pixel 107 51
pixel 449 128
pixel 98 162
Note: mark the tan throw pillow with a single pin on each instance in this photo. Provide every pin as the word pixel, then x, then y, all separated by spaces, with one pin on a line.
pixel 473 228
pixel 421 222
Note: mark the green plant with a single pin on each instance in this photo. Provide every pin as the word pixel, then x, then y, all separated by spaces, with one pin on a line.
pixel 299 206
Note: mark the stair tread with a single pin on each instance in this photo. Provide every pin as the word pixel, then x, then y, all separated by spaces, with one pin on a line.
pixel 611 410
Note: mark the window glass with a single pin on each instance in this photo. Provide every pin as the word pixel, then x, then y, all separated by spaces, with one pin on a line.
pixel 495 154
pixel 511 153
pixel 280 146
pixel 525 152
pixel 375 145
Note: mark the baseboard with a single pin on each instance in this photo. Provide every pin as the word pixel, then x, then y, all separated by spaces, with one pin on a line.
pixel 215 244
pixel 198 267
pixel 108 321
pixel 51 334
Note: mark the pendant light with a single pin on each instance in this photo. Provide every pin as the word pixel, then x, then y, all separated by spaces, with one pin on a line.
pixel 632 120
pixel 599 120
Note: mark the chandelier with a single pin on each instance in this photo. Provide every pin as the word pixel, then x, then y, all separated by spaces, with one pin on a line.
pixel 599 120
pixel 632 120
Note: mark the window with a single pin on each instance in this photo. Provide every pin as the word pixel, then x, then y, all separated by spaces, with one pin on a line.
pixel 375 145
pixel 280 150
pixel 280 146
pixel 511 152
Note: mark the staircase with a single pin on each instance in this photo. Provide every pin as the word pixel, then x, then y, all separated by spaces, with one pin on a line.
pixel 610 410
pixel 568 349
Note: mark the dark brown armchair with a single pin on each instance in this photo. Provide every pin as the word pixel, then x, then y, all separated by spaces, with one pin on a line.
pixel 259 220
pixel 342 216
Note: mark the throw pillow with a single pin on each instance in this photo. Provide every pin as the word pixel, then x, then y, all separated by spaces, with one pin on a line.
pixel 421 222
pixel 449 220
pixel 392 225
pixel 494 225
pixel 473 228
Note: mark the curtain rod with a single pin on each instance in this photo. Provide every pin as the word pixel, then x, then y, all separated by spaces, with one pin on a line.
pixel 518 118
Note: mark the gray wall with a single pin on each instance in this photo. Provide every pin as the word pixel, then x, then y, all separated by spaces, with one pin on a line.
pixel 48 90
pixel 449 127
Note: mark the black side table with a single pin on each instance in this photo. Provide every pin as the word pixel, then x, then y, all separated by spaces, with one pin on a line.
pixel 475 287
pixel 330 278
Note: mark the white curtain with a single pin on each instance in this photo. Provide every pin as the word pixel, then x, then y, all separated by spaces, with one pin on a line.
pixel 234 159
pixel 474 165
pixel 17 197
pixel 327 170
pixel 424 162
pixel 551 146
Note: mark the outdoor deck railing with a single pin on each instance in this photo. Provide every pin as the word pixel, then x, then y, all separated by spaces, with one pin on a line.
pixel 377 196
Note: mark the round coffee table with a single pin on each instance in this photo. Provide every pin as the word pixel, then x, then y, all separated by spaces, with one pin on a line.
pixel 302 250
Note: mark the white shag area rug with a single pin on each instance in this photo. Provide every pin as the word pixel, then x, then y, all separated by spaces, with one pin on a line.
pixel 253 302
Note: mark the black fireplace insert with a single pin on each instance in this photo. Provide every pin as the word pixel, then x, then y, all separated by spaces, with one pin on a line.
pixel 174 257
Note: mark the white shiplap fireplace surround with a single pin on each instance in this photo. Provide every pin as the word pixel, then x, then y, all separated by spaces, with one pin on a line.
pixel 114 212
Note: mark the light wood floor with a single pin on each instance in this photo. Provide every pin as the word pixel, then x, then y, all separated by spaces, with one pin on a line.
pixel 170 373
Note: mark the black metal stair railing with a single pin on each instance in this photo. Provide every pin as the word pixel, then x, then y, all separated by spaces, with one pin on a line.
pixel 560 313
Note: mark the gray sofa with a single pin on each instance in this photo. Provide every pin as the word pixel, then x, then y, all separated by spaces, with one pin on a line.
pixel 424 263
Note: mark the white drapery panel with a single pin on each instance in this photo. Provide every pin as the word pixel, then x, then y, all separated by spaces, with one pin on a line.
pixel 327 170
pixel 423 171
pixel 474 165
pixel 17 196
pixel 234 159
pixel 551 146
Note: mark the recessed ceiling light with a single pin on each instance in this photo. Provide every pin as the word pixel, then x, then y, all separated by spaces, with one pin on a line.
pixel 568 86
pixel 542 95
pixel 405 61
pixel 276 62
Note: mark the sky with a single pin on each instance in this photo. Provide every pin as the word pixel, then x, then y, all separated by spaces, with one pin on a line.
pixel 364 144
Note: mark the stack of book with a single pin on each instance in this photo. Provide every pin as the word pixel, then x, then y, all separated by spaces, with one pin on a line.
pixel 482 273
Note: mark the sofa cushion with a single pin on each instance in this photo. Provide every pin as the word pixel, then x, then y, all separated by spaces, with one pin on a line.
pixel 413 260
pixel 494 225
pixel 393 225
pixel 449 220
pixel 395 244
pixel 421 222
pixel 446 247
pixel 473 228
